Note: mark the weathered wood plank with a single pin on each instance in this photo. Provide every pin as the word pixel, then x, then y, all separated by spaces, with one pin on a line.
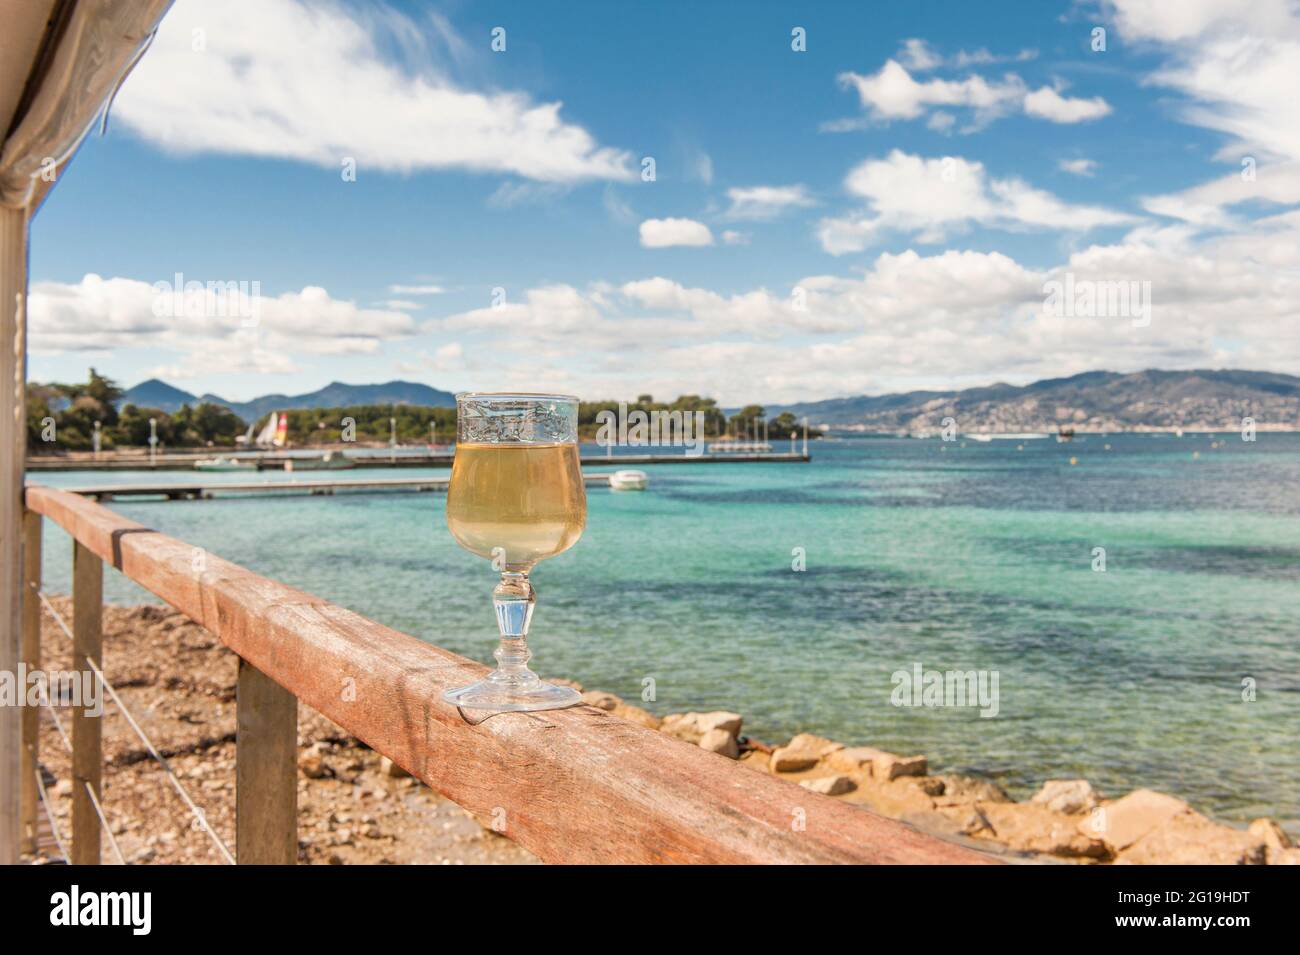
pixel 575 785
pixel 31 659
pixel 266 770
pixel 87 754
pixel 13 448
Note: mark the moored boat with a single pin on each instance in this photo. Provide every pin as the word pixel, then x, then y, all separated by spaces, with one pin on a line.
pixel 629 480
pixel 329 461
pixel 224 464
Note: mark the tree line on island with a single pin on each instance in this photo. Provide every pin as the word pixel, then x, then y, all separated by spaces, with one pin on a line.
pixel 63 417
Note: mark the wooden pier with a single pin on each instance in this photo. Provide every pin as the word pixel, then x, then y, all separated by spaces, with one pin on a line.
pixel 276 462
pixel 197 492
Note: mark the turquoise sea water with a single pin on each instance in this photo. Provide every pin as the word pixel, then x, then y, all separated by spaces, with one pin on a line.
pixel 974 557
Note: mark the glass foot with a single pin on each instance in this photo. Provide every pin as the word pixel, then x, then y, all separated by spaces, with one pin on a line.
pixel 503 696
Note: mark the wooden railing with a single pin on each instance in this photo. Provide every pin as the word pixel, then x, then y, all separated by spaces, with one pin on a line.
pixel 574 785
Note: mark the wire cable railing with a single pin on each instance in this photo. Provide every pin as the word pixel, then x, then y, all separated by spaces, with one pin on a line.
pixel 49 814
pixel 198 813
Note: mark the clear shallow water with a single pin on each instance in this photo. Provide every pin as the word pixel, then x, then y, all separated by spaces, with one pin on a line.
pixel 975 557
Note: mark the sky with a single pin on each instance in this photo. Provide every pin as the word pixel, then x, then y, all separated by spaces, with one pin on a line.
pixel 755 202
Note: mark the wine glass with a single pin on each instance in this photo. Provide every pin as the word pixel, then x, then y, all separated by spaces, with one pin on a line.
pixel 516 497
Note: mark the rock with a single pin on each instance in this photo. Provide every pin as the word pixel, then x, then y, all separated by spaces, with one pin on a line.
pixel 1034 828
pixel 682 726
pixel 814 744
pixel 637 715
pixel 1070 796
pixel 966 820
pixel 890 766
pixel 313 765
pixel 721 742
pixel 719 720
pixel 931 787
pixel 1188 838
pixel 691 726
pixel 855 759
pixel 391 769
pixel 601 700
pixel 1123 822
pixel 1274 837
pixel 830 785
pixel 894 799
pixel 964 790
pixel 883 766
pixel 1284 857
pixel 789 760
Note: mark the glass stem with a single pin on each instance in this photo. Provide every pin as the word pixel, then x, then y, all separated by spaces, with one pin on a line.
pixel 514 599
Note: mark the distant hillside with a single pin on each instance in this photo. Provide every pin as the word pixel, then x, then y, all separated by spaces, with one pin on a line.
pixel 158 394
pixel 1092 401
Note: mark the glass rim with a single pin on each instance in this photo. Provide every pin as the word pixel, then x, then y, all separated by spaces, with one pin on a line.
pixel 518 395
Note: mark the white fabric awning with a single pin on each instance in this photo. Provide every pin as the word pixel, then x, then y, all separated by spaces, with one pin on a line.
pixel 83 52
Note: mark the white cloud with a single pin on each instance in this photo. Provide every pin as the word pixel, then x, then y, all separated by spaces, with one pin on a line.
pixel 911 321
pixel 919 57
pixel 931 198
pixel 983 57
pixel 732 237
pixel 416 289
pixel 1237 63
pixel 239 331
pixel 766 202
pixel 1048 104
pixel 550 310
pixel 1189 19
pixel 662 233
pixel 893 93
pixel 1078 167
pixel 1208 204
pixel 317 83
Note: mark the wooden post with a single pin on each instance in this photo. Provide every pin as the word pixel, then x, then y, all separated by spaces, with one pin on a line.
pixel 13 445
pixel 31 658
pixel 87 757
pixel 266 770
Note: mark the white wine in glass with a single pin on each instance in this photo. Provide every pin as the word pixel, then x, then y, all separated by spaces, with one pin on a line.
pixel 516 497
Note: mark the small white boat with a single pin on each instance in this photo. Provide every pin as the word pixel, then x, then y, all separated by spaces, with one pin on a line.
pixel 224 464
pixel 329 461
pixel 629 480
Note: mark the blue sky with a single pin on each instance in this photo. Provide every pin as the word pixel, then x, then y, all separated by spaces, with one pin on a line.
pixel 880 211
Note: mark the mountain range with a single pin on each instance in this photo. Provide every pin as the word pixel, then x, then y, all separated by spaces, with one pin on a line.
pixel 1093 401
pixel 159 394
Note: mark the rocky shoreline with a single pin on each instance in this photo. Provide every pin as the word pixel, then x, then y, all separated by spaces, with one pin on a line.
pixel 1065 821
pixel 355 807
